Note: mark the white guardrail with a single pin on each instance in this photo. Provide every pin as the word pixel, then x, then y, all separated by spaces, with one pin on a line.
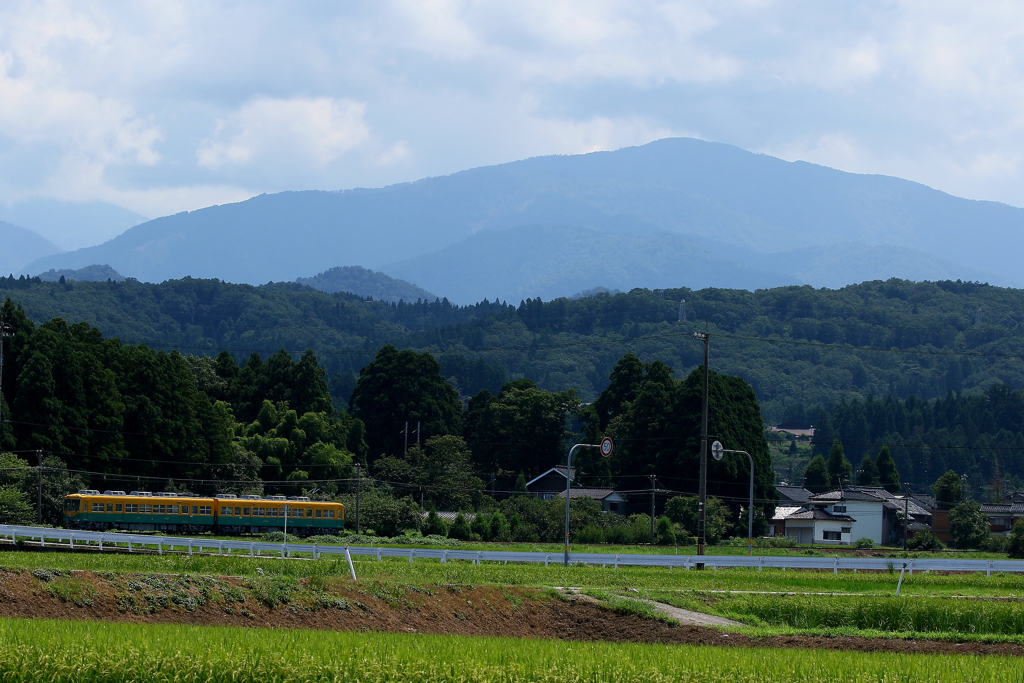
pixel 96 540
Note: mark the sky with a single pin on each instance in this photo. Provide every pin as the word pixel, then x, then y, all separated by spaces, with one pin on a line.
pixel 166 106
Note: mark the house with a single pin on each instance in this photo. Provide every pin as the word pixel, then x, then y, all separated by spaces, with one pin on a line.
pixel 817 525
pixel 1002 516
pixel 611 501
pixel 551 482
pixel 874 515
pixel 793 495
pixel 797 429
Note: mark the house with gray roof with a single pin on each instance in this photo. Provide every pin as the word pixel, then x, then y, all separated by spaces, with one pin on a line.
pixel 610 499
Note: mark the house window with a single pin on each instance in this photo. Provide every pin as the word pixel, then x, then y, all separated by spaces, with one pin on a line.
pixel 838 508
pixel 831 536
pixel 845 529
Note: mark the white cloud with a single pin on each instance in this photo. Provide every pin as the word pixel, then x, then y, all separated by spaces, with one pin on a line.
pixel 312 131
pixel 163 106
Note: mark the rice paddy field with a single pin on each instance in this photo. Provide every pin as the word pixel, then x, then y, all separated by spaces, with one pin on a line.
pixel 432 571
pixel 38 651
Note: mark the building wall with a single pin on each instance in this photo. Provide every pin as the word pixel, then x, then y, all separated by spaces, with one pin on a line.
pixel 868 516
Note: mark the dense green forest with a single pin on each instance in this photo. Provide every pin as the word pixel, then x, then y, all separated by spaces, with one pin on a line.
pixel 793 345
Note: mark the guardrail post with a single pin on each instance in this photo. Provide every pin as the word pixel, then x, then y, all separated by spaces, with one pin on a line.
pixel 411 553
pixel 835 567
pixel 444 557
pixel 687 563
pixel 129 545
pixel 251 549
pixel 190 547
pixel 616 561
pixel 379 552
pixel 911 567
pixel 42 541
pixel 988 572
pixel 547 558
pixel 760 563
pixel 101 542
pixel 479 556
pixel 220 547
pixel 316 556
pixel 159 547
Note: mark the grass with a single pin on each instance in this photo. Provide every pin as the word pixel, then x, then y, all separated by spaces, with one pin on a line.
pixel 875 613
pixel 596 577
pixel 40 651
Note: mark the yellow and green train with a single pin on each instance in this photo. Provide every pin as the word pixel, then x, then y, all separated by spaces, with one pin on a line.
pixel 224 513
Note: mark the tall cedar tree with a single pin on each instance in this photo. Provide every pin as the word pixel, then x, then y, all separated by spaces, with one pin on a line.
pixel 888 475
pixel 839 468
pixel 948 490
pixel 660 434
pixel 816 476
pixel 867 473
pixel 399 387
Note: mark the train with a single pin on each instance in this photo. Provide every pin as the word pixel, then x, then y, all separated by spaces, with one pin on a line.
pixel 181 513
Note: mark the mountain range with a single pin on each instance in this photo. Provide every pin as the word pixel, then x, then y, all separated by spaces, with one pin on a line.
pixel 675 212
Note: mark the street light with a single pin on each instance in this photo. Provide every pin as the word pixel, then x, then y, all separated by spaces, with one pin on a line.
pixel 606 451
pixel 718 450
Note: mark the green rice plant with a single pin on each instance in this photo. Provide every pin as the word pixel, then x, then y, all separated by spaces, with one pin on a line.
pixel 884 614
pixel 38 651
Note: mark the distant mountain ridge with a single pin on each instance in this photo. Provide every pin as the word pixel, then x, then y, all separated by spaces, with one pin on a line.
pixel 366 283
pixel 700 190
pixel 19 246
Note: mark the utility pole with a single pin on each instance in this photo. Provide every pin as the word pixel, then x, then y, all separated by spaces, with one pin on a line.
pixel 702 501
pixel 39 487
pixel 5 331
pixel 359 482
pixel 653 483
pixel 906 513
pixel 405 433
pixel 417 432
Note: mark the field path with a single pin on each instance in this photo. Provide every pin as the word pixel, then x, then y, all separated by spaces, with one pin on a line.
pixel 688 617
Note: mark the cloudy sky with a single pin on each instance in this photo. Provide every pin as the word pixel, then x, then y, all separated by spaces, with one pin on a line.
pixel 163 106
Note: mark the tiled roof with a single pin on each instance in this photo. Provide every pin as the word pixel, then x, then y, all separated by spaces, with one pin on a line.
pixel 818 513
pixel 847 494
pixel 797 494
pixel 450 516
pixel 558 469
pixel 596 494
pixel 1003 508
pixel 783 511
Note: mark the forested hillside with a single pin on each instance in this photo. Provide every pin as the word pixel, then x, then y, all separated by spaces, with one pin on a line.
pixel 794 345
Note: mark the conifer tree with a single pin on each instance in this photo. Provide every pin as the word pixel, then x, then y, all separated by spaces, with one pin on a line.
pixel 839 468
pixel 888 475
pixel 867 473
pixel 816 476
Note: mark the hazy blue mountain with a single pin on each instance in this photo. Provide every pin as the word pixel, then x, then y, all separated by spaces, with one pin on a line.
pixel 552 261
pixel 365 282
pixel 838 265
pixel 94 273
pixel 683 186
pixel 19 246
pixel 71 225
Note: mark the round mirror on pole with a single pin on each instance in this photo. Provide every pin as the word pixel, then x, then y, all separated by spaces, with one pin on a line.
pixel 717 450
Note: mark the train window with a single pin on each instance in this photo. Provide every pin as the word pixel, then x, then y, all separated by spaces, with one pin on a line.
pixel 271 512
pixel 205 510
pixel 257 512
pixel 71 505
pixel 245 512
pixel 110 507
pixel 238 512
pixel 195 510
pixel 226 511
pixel 131 507
pixel 158 509
pixel 118 507
pixel 318 514
pixel 184 509
pixel 172 509
pixel 97 507
pixel 145 509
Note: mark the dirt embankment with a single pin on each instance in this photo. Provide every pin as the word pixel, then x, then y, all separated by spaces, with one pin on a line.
pixel 336 604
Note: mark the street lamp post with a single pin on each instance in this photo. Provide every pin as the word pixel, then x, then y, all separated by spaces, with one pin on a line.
pixel 606 450
pixel 703 495
pixel 284 543
pixel 718 451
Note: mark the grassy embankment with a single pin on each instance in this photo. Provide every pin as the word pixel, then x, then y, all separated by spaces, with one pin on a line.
pixel 90 652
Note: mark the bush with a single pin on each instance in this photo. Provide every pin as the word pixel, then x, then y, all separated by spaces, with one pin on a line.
pixel 434 525
pixel 863 543
pixel 590 534
pixel 664 534
pixel 1015 544
pixel 460 528
pixel 278 537
pixel 925 540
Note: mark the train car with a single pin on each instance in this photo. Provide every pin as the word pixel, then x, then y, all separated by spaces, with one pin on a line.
pixel 225 513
